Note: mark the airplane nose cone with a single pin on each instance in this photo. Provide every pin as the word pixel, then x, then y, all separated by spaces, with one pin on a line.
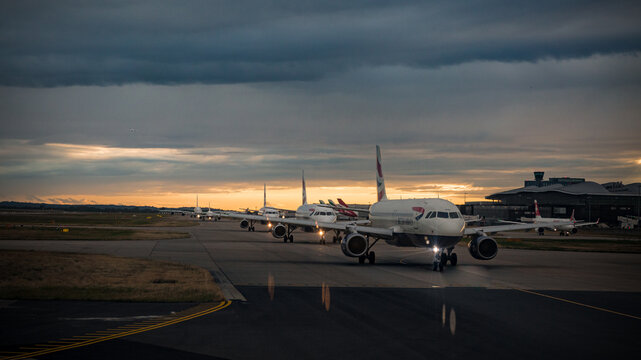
pixel 451 227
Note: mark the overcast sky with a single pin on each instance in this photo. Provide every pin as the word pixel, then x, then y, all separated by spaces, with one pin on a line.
pixel 151 102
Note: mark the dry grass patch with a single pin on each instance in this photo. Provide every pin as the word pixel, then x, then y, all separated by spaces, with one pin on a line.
pixel 76 233
pixel 63 218
pixel 71 276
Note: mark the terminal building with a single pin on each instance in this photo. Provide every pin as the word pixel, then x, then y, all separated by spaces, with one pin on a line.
pixel 558 197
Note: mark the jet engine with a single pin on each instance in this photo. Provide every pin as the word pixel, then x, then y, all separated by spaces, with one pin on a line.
pixel 279 230
pixel 354 245
pixel 574 230
pixel 244 224
pixel 483 247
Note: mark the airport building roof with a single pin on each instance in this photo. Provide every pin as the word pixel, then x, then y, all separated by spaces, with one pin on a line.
pixel 573 187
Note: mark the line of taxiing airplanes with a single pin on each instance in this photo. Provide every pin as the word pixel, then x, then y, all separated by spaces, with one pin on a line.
pixel 432 223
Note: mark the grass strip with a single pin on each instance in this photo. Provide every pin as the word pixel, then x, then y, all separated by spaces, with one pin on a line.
pixel 70 276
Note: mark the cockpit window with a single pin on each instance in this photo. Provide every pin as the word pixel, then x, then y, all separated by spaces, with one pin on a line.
pixel 454 215
pixel 442 214
pixel 432 214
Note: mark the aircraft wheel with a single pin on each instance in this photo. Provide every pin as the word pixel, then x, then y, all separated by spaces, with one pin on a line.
pixel 291 238
pixel 435 266
pixel 285 239
pixel 440 266
pixel 371 257
pixel 453 259
pixel 335 239
pixel 361 259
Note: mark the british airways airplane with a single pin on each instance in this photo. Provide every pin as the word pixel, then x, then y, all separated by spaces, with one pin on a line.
pixel 431 223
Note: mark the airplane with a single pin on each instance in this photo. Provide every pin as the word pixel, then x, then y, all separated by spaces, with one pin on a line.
pixel 565 226
pixel 266 214
pixel 212 215
pixel 197 212
pixel 343 208
pixel 430 223
pixel 307 217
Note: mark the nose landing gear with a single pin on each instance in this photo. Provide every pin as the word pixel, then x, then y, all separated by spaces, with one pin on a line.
pixel 441 258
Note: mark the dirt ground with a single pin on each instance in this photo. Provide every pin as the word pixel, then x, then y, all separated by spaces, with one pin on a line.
pixel 31 232
pixel 63 218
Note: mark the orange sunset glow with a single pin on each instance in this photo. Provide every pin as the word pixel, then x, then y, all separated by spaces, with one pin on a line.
pixel 252 196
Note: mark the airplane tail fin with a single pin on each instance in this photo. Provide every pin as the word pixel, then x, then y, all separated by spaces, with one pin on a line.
pixel 321 202
pixel 536 209
pixel 340 201
pixel 196 200
pixel 380 182
pixel 264 195
pixel 331 202
pixel 572 217
pixel 304 190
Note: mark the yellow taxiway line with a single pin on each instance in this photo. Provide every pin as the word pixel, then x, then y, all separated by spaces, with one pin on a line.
pixel 89 340
pixel 578 303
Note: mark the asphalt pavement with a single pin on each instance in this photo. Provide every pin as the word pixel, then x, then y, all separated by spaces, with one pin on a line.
pixel 306 300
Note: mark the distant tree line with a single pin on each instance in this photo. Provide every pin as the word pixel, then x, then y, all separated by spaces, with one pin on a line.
pixel 14 205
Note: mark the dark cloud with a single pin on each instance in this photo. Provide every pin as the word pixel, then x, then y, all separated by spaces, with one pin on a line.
pixel 64 43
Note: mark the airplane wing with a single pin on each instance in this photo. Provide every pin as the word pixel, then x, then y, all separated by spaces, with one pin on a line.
pixel 510 227
pixel 249 217
pixel 577 224
pixel 351 226
pixel 511 222
pixel 336 207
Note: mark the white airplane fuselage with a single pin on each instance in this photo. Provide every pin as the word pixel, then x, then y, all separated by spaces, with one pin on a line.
pixel 550 223
pixel 316 212
pixel 419 222
pixel 270 213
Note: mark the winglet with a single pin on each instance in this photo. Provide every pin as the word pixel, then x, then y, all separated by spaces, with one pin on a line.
pixel 537 212
pixel 380 182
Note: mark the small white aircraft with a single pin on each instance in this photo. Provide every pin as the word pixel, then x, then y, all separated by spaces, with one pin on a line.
pixel 266 215
pixel 197 212
pixel 564 226
pixel 431 223
pixel 212 215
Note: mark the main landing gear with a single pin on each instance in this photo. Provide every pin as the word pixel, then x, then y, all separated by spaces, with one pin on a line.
pixel 441 258
pixel 288 235
pixel 369 255
pixel 251 226
pixel 337 237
